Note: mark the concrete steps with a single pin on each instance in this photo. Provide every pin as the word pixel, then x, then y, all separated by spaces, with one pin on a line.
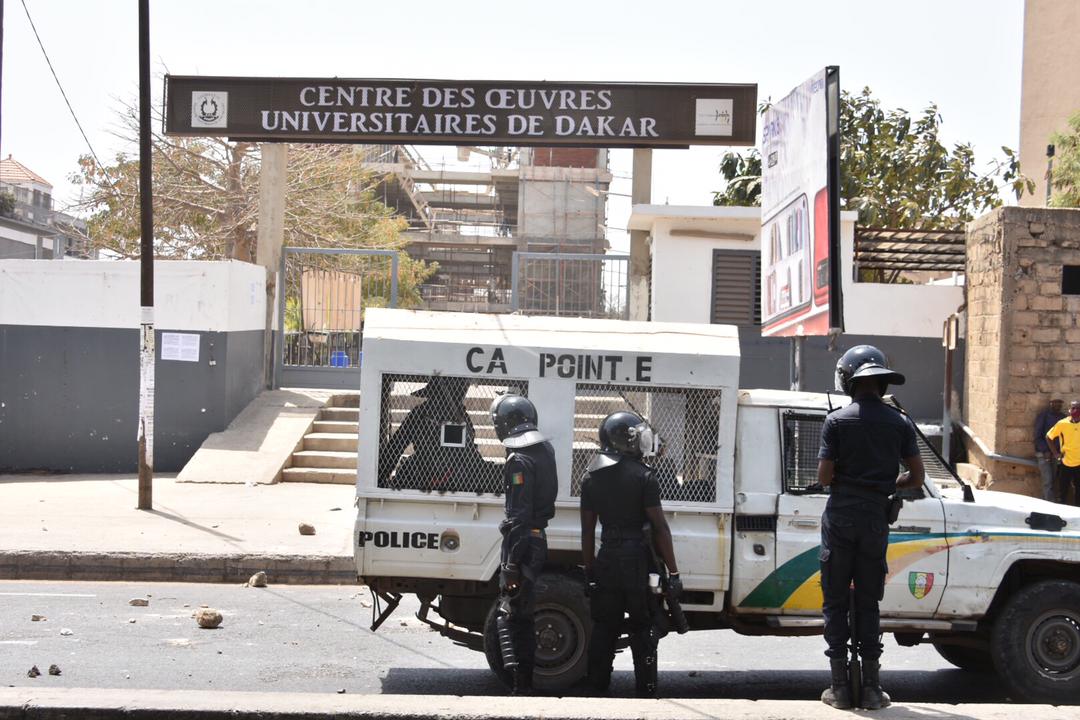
pixel 327 459
pixel 336 476
pixel 327 453
pixel 340 442
pixel 340 414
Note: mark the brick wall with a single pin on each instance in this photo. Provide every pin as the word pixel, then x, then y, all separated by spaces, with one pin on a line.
pixel 566 157
pixel 1023 335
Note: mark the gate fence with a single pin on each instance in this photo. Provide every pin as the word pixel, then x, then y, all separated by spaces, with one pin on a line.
pixel 323 295
pixel 571 284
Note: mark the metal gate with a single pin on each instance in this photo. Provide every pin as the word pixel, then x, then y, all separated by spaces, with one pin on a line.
pixel 324 292
pixel 571 284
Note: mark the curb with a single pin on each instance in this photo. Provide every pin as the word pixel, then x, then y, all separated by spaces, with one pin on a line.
pixel 96 704
pixel 175 567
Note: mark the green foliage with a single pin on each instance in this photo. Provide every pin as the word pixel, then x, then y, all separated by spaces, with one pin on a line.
pixel 743 176
pixel 7 204
pixel 895 171
pixel 1066 177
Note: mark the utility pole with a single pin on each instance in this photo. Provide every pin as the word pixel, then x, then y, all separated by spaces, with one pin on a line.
pixel 1 62
pixel 146 265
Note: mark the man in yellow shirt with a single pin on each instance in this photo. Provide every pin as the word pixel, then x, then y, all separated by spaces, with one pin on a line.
pixel 1067 431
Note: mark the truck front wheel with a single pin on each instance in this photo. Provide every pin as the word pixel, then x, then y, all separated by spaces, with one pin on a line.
pixel 562 627
pixel 1036 643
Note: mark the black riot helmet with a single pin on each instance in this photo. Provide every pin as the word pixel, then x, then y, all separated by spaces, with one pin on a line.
pixel 864 361
pixel 515 419
pixel 627 433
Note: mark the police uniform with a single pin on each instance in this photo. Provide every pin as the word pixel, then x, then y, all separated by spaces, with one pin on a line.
pixel 866 440
pixel 530 483
pixel 619 494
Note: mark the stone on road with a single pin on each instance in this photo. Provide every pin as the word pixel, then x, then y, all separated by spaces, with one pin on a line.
pixel 208 618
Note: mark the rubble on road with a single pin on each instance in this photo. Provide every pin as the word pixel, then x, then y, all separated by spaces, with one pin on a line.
pixel 306 529
pixel 54 669
pixel 38 618
pixel 257 580
pixel 33 672
pixel 66 631
pixel 139 602
pixel 208 618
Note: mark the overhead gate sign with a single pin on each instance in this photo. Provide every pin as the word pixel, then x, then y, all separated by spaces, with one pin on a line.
pixel 456 112
pixel 800 210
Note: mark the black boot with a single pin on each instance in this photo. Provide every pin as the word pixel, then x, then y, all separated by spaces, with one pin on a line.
pixel 838 694
pixel 523 678
pixel 873 697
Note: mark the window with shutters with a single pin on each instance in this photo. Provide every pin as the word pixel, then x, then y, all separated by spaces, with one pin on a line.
pixel 736 287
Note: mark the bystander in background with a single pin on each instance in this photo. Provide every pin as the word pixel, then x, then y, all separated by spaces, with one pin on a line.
pixel 1051 489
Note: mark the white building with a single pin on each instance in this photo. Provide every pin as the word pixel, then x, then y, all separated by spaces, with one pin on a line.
pixel 31 228
pixel 705 268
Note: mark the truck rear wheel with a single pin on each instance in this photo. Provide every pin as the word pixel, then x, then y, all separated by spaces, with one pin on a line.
pixel 563 628
pixel 1036 643
pixel 976 660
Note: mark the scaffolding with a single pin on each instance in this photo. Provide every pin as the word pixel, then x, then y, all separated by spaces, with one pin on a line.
pixel 470 218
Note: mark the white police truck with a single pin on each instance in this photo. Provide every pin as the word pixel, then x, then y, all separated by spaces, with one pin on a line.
pixel 991 580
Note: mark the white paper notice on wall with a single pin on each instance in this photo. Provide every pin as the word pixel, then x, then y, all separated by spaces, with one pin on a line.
pixel 180 346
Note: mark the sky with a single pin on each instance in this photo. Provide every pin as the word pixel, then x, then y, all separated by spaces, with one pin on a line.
pixel 965 55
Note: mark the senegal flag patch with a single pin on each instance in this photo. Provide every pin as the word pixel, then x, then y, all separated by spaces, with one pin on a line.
pixel 517 479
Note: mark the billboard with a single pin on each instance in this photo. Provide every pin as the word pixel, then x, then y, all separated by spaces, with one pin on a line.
pixel 800 210
pixel 461 112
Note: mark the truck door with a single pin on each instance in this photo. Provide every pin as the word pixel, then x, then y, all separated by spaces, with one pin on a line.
pixel 917 556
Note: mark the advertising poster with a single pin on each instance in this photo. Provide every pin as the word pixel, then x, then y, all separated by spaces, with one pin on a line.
pixel 800 228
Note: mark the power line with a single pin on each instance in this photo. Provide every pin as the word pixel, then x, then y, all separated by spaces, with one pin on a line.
pixel 66 101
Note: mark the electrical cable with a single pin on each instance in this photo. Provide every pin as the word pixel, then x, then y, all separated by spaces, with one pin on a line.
pixel 66 101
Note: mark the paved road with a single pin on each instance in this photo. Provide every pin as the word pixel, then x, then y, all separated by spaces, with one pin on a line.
pixel 315 639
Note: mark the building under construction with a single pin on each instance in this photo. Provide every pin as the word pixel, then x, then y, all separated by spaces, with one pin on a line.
pixel 472 218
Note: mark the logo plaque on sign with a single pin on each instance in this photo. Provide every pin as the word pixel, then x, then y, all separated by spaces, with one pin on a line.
pixel 209 109
pixel 713 117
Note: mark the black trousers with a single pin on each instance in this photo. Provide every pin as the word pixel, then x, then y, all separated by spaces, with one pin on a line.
pixel 854 540
pixel 1069 477
pixel 622 578
pixel 522 602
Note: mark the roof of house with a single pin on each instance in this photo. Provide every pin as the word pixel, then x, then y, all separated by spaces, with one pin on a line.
pixel 13 171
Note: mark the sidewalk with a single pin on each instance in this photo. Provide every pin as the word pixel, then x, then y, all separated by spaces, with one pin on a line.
pixel 86 527
pixel 45 704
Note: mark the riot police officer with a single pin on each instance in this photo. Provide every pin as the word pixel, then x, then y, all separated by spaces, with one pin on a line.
pixel 531 484
pixel 623 493
pixel 862 445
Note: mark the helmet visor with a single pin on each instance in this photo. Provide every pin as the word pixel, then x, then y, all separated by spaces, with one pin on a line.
pixel 649 442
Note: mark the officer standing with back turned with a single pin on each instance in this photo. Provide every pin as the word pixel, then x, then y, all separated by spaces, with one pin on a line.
pixel 623 492
pixel 862 445
pixel 530 484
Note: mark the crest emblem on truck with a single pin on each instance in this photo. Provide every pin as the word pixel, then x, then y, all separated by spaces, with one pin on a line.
pixel 920 584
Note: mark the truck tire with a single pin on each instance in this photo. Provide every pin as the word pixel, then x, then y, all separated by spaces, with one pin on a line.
pixel 976 660
pixel 1035 643
pixel 563 627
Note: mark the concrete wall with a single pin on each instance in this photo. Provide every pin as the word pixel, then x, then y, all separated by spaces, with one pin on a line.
pixel 682 260
pixel 1049 93
pixel 69 360
pixel 1023 334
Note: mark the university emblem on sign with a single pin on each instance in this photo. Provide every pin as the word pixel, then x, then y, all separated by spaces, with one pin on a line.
pixel 209 109
pixel 920 584
pixel 713 117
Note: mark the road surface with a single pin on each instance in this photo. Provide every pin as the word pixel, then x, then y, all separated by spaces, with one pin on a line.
pixel 316 639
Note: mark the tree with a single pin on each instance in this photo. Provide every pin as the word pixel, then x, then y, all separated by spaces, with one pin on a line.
pixel 1066 177
pixel 7 204
pixel 206 200
pixel 894 170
